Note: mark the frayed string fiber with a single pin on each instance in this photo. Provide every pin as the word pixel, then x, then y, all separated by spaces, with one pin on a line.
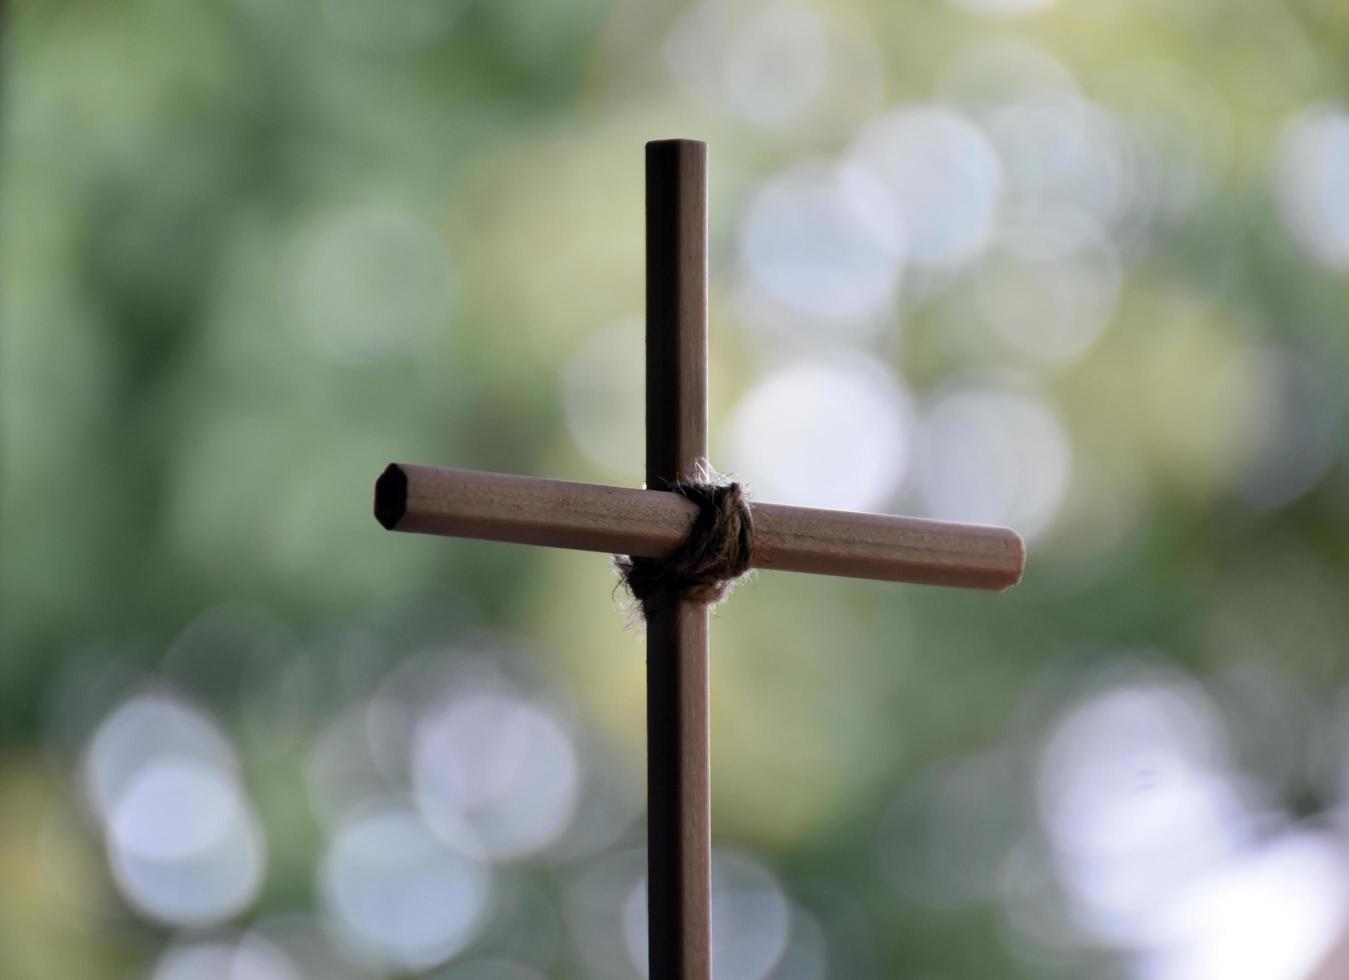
pixel 716 552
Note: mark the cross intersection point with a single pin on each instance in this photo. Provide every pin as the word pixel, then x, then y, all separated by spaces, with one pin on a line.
pixel 651 523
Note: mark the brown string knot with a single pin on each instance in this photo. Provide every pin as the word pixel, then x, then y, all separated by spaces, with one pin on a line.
pixel 716 552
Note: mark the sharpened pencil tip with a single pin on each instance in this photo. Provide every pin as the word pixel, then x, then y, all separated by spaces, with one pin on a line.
pixel 391 496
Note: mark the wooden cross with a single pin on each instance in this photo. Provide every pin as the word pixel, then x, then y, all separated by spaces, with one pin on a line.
pixel 650 523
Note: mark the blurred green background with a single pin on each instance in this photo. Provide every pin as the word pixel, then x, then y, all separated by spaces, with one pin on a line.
pixel 1077 267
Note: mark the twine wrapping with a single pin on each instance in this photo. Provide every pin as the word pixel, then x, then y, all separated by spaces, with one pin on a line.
pixel 716 552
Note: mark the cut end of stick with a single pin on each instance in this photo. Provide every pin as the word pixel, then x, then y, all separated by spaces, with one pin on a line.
pixel 1017 546
pixel 391 496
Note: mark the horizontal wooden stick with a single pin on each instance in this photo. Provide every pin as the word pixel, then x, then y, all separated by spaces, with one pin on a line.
pixel 650 524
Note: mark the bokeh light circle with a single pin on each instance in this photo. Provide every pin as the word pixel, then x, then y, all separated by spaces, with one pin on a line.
pixel 249 957
pixel 185 845
pixel 399 895
pixel 776 64
pixel 1049 289
pixel 992 456
pixel 944 175
pixel 834 433
pixel 142 729
pixel 990 74
pixel 1270 913
pixel 505 767
pixel 1311 183
pixel 824 242
pixel 1137 798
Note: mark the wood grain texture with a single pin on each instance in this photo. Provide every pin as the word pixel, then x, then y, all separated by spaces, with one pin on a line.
pixel 679 812
pixel 650 524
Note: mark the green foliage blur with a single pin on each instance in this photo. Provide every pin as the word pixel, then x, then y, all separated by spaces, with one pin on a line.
pixel 253 250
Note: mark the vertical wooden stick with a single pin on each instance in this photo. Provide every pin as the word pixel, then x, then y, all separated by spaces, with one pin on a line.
pixel 679 819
